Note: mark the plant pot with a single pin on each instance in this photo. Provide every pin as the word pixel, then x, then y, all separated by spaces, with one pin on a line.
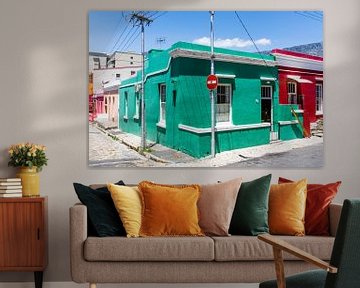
pixel 30 181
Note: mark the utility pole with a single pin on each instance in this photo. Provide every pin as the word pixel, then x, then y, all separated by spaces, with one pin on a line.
pixel 141 20
pixel 212 96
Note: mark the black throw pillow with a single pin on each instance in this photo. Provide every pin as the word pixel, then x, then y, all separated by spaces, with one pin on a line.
pixel 103 218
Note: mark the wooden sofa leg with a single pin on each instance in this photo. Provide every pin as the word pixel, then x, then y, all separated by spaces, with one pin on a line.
pixel 92 285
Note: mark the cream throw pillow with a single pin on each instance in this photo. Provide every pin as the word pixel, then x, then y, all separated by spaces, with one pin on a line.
pixel 127 201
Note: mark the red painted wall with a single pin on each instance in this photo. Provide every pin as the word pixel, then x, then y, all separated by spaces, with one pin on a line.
pixel 308 90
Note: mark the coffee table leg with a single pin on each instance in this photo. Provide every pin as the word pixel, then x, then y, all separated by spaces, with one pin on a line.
pixel 38 279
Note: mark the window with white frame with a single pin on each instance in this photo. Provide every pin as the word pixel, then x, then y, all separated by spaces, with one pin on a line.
pixel 137 105
pixel 319 98
pixel 223 103
pixel 292 92
pixel 126 106
pixel 162 94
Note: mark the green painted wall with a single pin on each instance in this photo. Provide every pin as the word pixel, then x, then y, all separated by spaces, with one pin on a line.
pixel 188 101
pixel 198 145
pixel 129 124
pixel 290 131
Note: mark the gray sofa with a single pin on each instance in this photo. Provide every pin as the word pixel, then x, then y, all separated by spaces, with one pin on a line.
pixel 234 259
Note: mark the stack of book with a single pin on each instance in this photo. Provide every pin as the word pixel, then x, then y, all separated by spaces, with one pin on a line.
pixel 10 187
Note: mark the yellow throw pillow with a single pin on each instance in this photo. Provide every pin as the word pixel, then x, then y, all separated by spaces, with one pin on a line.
pixel 169 210
pixel 127 201
pixel 287 204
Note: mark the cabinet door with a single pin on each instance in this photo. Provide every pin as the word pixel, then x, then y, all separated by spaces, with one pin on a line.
pixel 21 235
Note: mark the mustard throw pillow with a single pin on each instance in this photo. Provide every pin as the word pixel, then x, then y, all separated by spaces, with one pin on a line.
pixel 287 204
pixel 169 210
pixel 127 201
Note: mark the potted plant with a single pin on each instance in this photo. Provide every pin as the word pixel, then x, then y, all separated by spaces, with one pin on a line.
pixel 30 158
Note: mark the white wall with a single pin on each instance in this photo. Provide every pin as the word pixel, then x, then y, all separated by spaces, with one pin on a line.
pixel 43 87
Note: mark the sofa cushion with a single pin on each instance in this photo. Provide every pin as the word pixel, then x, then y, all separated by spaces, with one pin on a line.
pixel 127 201
pixel 102 216
pixel 245 248
pixel 149 249
pixel 169 210
pixel 250 215
pixel 216 205
pixel 287 204
pixel 318 199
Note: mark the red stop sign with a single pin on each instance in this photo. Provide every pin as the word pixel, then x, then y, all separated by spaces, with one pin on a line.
pixel 212 82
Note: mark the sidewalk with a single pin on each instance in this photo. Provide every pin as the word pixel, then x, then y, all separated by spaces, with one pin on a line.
pixel 173 158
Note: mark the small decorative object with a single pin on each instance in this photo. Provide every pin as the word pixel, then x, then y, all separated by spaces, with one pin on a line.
pixel 30 158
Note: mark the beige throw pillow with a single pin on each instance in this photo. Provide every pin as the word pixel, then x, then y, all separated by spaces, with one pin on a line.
pixel 216 206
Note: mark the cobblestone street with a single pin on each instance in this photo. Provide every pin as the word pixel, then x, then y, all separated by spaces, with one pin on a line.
pixel 113 148
pixel 104 151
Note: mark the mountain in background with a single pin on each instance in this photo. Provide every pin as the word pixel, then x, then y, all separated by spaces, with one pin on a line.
pixel 315 49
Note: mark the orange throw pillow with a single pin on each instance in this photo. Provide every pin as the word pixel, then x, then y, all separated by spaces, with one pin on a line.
pixel 319 197
pixel 287 204
pixel 169 210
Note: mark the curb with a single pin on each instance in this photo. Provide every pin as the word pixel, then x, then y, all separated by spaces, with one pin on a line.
pixel 133 147
pixel 156 158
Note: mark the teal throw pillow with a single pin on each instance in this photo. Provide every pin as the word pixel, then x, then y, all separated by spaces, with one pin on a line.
pixel 250 216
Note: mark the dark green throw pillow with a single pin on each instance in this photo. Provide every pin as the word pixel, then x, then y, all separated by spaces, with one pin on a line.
pixel 250 216
pixel 103 219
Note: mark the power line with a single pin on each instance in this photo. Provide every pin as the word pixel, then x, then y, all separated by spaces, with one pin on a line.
pixel 310 16
pixel 152 14
pixel 126 39
pixel 122 19
pixel 113 48
pixel 316 14
pixel 136 37
pixel 139 20
pixel 129 39
pixel 126 42
pixel 252 40
pixel 163 13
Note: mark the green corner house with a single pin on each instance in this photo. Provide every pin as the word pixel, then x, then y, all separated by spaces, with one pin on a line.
pixel 178 113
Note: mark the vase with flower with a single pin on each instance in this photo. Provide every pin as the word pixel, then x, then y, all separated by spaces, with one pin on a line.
pixel 30 158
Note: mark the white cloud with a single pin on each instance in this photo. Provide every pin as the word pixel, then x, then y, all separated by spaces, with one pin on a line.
pixel 232 43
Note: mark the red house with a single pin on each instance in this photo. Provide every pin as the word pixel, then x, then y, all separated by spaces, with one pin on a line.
pixel 301 83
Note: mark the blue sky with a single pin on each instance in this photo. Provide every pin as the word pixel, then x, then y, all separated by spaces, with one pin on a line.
pixel 111 30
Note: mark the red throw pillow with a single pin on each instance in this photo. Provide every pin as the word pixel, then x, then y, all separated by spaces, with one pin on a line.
pixel 319 197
